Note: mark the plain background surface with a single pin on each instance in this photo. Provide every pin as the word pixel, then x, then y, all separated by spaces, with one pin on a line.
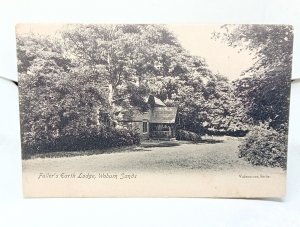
pixel 16 211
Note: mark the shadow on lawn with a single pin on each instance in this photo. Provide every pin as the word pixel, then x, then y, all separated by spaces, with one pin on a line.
pixel 211 141
pixel 160 144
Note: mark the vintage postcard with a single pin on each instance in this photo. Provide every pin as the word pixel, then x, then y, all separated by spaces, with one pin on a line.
pixel 151 110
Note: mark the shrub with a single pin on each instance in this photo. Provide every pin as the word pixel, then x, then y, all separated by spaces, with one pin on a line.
pixel 264 146
pixel 87 139
pixel 187 135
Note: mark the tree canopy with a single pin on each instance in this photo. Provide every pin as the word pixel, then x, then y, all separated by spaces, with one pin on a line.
pixel 86 76
pixel 264 88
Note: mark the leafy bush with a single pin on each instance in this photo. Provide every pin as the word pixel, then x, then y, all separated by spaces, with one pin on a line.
pixel 187 135
pixel 90 138
pixel 264 146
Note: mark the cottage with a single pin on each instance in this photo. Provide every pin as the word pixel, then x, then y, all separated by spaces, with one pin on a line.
pixel 158 122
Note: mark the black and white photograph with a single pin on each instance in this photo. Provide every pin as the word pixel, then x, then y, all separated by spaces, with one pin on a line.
pixel 154 110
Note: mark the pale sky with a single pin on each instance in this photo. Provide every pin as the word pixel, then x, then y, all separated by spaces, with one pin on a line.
pixel 196 39
pixel 219 56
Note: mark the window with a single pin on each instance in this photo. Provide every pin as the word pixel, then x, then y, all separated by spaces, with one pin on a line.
pixel 145 126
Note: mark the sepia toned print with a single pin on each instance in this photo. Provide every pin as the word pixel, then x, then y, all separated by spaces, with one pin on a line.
pixel 149 110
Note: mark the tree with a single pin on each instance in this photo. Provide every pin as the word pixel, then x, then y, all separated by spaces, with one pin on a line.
pixel 123 58
pixel 80 82
pixel 55 100
pixel 64 79
pixel 264 88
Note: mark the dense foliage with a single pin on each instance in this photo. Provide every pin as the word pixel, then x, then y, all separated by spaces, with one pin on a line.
pixel 265 146
pixel 188 136
pixel 87 139
pixel 89 76
pixel 264 89
pixel 78 83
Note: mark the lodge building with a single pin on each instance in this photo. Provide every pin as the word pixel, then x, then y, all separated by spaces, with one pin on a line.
pixel 159 122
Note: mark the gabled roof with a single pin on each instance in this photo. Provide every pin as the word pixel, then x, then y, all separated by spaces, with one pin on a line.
pixel 158 102
pixel 158 113
pixel 154 101
pixel 163 115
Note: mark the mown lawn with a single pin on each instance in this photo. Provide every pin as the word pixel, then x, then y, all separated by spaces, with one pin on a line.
pixel 212 155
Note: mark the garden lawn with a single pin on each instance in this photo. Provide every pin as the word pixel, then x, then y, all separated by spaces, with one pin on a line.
pixel 214 155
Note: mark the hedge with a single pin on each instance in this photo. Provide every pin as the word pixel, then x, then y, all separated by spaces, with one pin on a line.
pixel 97 138
pixel 187 135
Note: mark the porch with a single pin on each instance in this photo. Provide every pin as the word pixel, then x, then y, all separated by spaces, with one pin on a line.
pixel 161 131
